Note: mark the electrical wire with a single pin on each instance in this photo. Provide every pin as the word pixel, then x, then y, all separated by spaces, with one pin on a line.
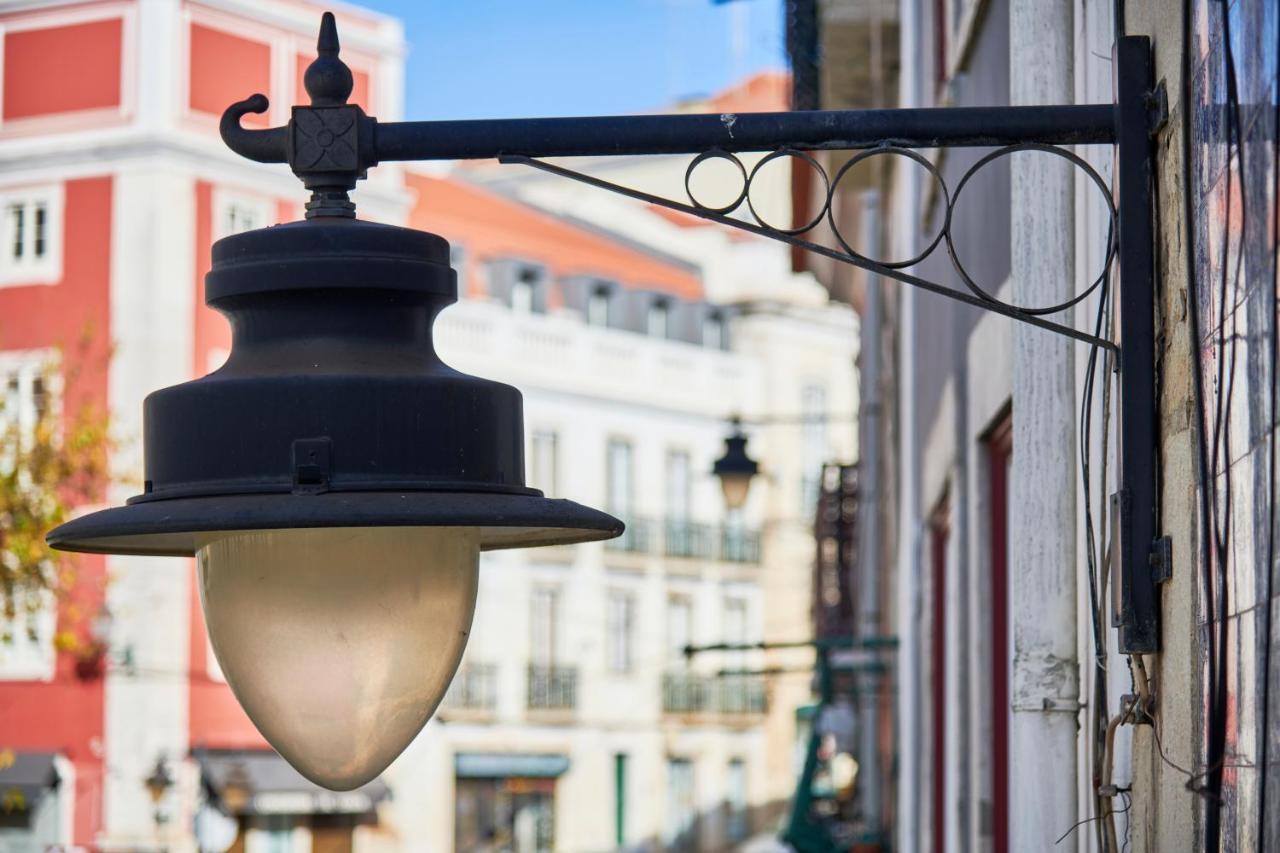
pixel 1222 517
pixel 1273 321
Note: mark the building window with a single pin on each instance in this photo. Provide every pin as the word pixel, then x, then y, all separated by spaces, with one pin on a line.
pixel 235 213
pixel 25 396
pixel 543 461
pixel 713 336
pixel 813 450
pixel 999 459
pixel 31 236
pixel 528 290
pixel 619 485
pixel 28 396
pixel 620 614
pixel 679 486
pixel 679 627
pixel 26 638
pixel 598 305
pixel 736 799
pixel 544 615
pixel 679 834
pixel 939 533
pixel 658 320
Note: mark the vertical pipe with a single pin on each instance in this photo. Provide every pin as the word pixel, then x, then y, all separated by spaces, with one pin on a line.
pixel 1044 684
pixel 909 730
pixel 867 567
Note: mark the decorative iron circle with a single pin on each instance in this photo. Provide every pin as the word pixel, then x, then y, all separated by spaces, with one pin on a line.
pixel 1076 161
pixel 928 167
pixel 817 167
pixel 716 154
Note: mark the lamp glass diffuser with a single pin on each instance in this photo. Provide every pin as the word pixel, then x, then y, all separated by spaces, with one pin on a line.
pixel 340 642
pixel 736 487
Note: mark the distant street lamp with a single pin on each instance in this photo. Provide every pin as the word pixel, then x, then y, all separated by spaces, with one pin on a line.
pixel 159 783
pixel 336 481
pixel 735 469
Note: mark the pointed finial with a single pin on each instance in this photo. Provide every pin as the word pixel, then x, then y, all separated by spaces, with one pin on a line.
pixel 328 79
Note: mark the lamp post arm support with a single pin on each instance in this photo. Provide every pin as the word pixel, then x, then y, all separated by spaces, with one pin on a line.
pixel 331 144
pixel 683 133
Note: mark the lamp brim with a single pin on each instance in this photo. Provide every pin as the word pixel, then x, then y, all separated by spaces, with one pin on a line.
pixel 180 526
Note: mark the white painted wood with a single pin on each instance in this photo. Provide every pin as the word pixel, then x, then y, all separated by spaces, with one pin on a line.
pixel 1044 687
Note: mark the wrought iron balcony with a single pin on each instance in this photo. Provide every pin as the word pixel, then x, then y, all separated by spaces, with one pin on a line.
pixel 741 695
pixel 690 693
pixel 739 545
pixel 685 693
pixel 475 687
pixel 636 539
pixel 552 688
pixel 684 538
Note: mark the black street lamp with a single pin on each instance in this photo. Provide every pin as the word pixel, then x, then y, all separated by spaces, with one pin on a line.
pixel 336 481
pixel 735 469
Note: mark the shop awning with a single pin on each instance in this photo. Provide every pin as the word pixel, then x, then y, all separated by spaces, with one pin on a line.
pixel 25 777
pixel 260 782
pixel 503 765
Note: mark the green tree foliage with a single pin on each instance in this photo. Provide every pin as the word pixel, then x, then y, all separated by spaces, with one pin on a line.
pixel 52 460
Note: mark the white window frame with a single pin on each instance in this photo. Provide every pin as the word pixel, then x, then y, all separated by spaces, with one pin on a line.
pixel 599 306
pixel 47 269
pixel 25 659
pixel 544 460
pixel 545 601
pixel 255 211
pixel 713 331
pixel 620 627
pixel 659 315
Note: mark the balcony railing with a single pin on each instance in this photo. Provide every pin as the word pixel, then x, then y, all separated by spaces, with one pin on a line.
pixel 683 538
pixel 688 693
pixel 552 688
pixel 636 539
pixel 684 693
pixel 739 545
pixel 688 539
pixel 475 687
pixel 741 695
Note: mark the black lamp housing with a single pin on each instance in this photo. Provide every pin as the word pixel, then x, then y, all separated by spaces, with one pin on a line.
pixel 735 469
pixel 333 409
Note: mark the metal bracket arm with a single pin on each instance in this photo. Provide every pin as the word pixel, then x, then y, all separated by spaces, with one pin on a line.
pixel 330 145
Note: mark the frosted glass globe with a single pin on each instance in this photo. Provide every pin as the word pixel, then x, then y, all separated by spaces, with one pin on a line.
pixel 340 642
pixel 735 488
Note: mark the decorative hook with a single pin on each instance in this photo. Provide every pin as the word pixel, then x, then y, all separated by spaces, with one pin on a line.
pixel 264 146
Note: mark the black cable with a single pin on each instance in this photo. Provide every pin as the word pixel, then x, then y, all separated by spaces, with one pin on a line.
pixel 1222 503
pixel 1265 728
pixel 1202 450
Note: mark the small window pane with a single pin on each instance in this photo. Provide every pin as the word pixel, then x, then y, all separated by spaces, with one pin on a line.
pixel 659 313
pixel 713 332
pixel 41 218
pixel 17 215
pixel 543 461
pixel 618 472
pixel 621 618
pixel 598 307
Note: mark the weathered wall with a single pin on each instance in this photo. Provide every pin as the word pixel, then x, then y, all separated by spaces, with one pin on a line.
pixel 1216 254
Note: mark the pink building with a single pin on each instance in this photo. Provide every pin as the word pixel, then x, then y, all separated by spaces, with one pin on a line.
pixel 113 185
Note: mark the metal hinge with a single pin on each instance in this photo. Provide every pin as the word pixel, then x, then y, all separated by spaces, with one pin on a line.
pixel 1157 109
pixel 1161 559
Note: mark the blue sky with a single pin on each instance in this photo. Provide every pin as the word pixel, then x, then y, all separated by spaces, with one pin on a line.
pixel 516 58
